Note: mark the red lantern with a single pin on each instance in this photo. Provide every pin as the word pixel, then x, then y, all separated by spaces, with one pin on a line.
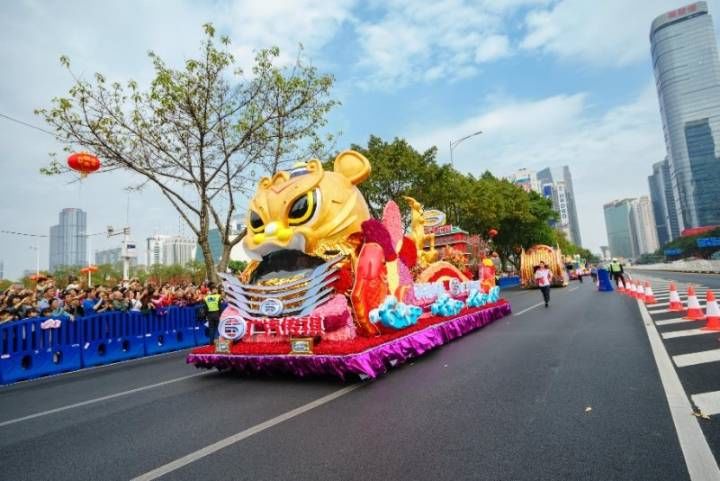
pixel 492 233
pixel 84 163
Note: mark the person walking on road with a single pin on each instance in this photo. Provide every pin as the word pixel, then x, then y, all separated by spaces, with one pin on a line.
pixel 616 270
pixel 212 304
pixel 543 278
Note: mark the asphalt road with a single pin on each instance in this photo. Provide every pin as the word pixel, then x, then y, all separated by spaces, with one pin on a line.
pixel 568 392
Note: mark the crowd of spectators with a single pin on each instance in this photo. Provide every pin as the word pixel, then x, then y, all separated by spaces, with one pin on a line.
pixel 75 300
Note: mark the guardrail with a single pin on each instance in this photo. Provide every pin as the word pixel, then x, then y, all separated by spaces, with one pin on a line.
pixel 30 349
pixel 699 265
pixel 510 281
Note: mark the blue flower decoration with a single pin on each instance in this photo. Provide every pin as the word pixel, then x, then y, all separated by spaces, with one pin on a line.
pixel 476 298
pixel 394 314
pixel 446 306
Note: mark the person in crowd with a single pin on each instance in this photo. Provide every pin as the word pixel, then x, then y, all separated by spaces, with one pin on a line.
pixel 543 278
pixel 118 301
pixel 48 294
pixel 91 302
pixel 579 272
pixel 593 272
pixel 58 312
pixel 617 272
pixel 74 307
pixel 212 304
pixel 134 304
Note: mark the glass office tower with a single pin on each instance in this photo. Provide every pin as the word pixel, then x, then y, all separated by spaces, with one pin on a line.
pixel 687 76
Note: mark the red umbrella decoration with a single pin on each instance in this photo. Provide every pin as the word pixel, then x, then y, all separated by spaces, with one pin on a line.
pixel 492 233
pixel 84 163
pixel 89 269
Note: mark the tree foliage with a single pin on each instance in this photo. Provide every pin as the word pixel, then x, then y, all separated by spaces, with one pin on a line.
pixel 207 128
pixel 477 204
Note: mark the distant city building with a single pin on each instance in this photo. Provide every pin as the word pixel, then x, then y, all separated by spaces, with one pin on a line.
pixel 68 239
pixel 605 251
pixel 169 250
pixel 112 256
pixel 643 223
pixel 237 253
pixel 562 194
pixel 663 203
pixel 526 179
pixel 619 229
pixel 630 226
pixel 687 76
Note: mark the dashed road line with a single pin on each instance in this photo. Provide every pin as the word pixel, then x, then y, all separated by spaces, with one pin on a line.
pixel 684 360
pixel 668 322
pixel 707 402
pixel 685 333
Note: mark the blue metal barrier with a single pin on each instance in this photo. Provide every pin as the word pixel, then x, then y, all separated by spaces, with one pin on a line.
pixel 173 330
pixel 27 351
pixel 510 281
pixel 113 336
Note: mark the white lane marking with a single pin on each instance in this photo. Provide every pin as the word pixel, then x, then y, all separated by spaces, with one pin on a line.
pixel 699 458
pixel 574 289
pixel 684 360
pixel 685 333
pixel 707 402
pixel 529 308
pixel 235 438
pixel 100 399
pixel 675 320
pixel 659 311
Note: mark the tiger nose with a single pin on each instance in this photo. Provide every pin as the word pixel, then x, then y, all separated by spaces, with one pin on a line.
pixel 271 228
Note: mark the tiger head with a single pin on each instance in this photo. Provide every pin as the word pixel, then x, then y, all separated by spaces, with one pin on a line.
pixel 309 209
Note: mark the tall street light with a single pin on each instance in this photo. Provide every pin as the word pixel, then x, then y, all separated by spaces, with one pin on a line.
pixel 455 143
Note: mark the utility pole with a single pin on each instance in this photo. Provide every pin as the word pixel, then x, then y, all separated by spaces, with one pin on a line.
pixel 125 232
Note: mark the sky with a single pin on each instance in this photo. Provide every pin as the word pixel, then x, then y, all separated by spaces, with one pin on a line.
pixel 549 82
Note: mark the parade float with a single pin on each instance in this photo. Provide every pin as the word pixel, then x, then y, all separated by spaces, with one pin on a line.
pixel 333 291
pixel 552 257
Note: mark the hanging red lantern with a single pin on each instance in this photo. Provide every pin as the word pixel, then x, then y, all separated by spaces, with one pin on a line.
pixel 492 233
pixel 84 163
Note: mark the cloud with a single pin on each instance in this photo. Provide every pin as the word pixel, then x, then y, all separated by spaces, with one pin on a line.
pixel 607 33
pixel 609 153
pixel 492 48
pixel 448 39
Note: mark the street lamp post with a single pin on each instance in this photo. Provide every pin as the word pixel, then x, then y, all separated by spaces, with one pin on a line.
pixel 36 248
pixel 455 143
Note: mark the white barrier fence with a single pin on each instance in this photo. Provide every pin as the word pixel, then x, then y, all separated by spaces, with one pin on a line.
pixel 683 266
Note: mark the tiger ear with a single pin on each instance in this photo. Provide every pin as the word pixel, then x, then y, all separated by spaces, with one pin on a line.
pixel 352 165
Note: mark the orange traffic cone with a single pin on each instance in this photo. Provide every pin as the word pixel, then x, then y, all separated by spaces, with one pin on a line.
pixel 713 312
pixel 675 302
pixel 631 289
pixel 694 312
pixel 621 286
pixel 637 291
pixel 649 296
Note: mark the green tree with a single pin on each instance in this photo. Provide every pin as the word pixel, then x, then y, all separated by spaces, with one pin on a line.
pixel 205 128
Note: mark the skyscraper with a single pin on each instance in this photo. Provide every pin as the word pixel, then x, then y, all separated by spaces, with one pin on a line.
pixel 574 224
pixel 687 76
pixel 619 229
pixel 170 250
pixel 643 224
pixel 663 203
pixel 630 226
pixel 68 239
pixel 562 194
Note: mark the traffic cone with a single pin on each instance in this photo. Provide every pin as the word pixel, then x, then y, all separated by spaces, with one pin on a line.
pixel 713 313
pixel 621 286
pixel 636 290
pixel 649 296
pixel 694 312
pixel 675 302
pixel 630 291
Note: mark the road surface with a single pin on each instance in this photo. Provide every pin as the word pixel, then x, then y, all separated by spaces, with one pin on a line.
pixel 567 392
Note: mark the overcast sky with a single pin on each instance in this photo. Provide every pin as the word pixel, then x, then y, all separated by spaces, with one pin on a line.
pixel 549 82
